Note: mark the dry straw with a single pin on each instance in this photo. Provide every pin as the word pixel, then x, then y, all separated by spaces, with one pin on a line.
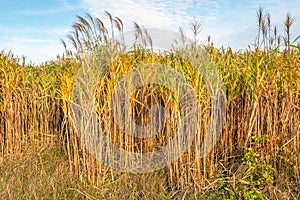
pixel 263 107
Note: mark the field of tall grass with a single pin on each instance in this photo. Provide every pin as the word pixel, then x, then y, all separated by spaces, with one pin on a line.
pixel 256 156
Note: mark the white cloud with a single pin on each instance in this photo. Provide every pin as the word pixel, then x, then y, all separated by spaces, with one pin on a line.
pixel 35 50
pixel 43 12
pixel 231 23
pixel 62 7
pixel 151 14
pixel 38 45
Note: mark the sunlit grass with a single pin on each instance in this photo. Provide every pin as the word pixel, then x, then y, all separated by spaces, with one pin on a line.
pixel 262 120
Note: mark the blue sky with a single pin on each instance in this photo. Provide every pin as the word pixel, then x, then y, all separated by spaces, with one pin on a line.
pixel 34 28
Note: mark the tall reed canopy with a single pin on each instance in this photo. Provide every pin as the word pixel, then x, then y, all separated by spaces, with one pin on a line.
pixel 255 156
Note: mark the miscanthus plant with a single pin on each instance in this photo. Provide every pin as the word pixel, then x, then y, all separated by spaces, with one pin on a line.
pixel 262 109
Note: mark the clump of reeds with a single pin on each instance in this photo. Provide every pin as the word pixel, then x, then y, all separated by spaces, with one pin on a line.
pixel 263 107
pixel 31 105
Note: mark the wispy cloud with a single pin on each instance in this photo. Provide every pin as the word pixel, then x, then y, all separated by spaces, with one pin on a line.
pixel 152 14
pixel 36 30
pixel 229 23
pixel 34 49
pixel 43 12
pixel 38 45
